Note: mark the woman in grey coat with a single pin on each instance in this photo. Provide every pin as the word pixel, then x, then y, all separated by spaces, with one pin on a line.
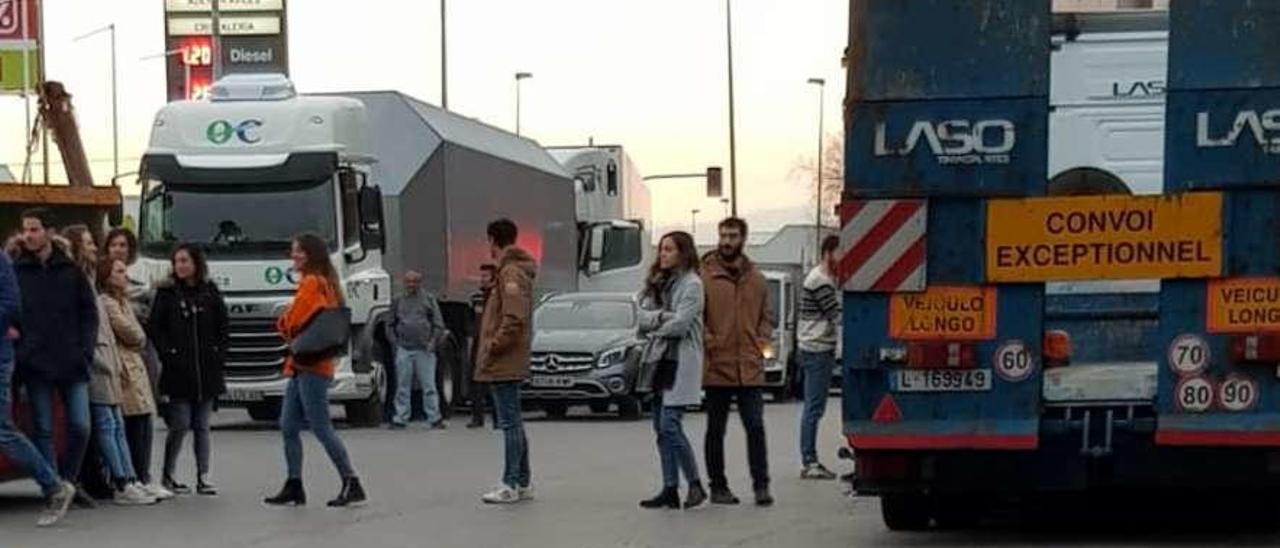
pixel 671 319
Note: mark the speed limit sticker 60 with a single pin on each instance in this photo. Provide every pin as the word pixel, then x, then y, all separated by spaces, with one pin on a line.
pixel 1238 393
pixel 1188 354
pixel 1194 394
pixel 1013 361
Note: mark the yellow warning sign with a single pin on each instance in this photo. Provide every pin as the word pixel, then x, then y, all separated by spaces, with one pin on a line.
pixel 944 313
pixel 1243 305
pixel 1104 237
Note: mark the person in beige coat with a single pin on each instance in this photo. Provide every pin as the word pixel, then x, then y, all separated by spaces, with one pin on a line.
pixel 137 403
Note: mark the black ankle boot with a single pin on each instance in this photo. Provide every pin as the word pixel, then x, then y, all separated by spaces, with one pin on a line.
pixel 696 497
pixel 668 498
pixel 352 493
pixel 291 493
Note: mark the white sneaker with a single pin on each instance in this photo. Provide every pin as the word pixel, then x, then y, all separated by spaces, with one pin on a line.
pixel 56 506
pixel 156 490
pixel 133 495
pixel 526 493
pixel 502 495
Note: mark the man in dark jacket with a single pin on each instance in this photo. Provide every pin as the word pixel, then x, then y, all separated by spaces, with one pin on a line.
pixel 56 338
pixel 503 362
pixel 13 445
pixel 737 330
pixel 477 392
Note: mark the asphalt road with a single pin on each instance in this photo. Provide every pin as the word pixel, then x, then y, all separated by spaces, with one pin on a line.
pixel 589 474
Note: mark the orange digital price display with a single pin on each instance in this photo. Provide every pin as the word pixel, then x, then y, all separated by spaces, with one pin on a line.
pixel 197 53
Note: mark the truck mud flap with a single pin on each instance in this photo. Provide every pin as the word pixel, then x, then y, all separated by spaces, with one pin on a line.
pixel 960 389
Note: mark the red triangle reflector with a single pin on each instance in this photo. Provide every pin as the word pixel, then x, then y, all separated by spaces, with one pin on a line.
pixel 887 411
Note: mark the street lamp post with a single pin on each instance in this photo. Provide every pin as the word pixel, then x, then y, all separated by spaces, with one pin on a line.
pixel 817 219
pixel 693 224
pixel 444 59
pixel 115 103
pixel 733 149
pixel 520 76
pixel 725 203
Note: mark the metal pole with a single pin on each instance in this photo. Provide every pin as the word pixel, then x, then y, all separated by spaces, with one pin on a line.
pixel 693 225
pixel 444 59
pixel 817 233
pixel 733 149
pixel 217 39
pixel 115 110
pixel 517 105
pixel 21 10
pixel 44 135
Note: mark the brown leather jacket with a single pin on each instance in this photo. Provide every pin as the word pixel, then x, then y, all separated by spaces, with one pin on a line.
pixel 506 324
pixel 738 326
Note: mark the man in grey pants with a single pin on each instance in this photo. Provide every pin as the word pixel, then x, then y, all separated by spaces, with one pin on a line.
pixel 416 326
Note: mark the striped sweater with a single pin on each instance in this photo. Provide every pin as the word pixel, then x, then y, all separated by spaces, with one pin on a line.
pixel 819 325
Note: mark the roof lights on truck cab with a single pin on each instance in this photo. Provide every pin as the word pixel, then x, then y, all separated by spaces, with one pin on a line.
pixel 252 87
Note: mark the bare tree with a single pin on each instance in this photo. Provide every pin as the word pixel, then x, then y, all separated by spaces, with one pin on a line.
pixel 832 178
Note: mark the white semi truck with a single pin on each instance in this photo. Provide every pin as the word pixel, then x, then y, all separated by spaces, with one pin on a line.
pixel 256 163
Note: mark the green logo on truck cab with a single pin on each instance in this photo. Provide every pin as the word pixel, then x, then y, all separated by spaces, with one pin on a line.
pixel 220 132
pixel 275 275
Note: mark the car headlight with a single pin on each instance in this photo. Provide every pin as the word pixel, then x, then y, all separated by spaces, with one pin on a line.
pixel 612 357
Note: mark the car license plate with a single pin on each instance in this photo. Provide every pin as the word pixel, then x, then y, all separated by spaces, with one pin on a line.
pixel 942 380
pixel 551 382
pixel 237 395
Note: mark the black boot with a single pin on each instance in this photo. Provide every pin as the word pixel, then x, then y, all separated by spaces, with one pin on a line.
pixel 291 493
pixel 696 497
pixel 668 498
pixel 352 493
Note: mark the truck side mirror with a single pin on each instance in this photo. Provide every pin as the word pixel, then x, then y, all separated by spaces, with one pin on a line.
pixel 595 255
pixel 371 221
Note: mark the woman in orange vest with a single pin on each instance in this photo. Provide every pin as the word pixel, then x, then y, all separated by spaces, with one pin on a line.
pixel 307 395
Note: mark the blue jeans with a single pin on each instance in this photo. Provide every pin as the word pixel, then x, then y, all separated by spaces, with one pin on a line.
pixel 306 402
pixel 111 442
pixel 16 446
pixel 674 450
pixel 75 400
pixel 506 403
pixel 817 389
pixel 422 364
pixel 182 416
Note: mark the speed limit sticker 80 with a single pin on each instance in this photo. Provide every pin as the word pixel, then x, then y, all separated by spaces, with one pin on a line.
pixel 1188 354
pixel 1194 394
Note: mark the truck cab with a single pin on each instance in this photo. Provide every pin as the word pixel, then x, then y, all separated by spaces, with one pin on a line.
pixel 241 174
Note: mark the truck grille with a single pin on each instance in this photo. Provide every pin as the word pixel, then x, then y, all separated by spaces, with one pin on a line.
pixel 558 362
pixel 257 351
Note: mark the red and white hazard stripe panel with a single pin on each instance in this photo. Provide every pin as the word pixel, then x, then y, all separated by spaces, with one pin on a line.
pixel 882 245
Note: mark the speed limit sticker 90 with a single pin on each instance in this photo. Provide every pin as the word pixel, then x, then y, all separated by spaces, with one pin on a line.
pixel 1013 361
pixel 1194 394
pixel 1238 393
pixel 1188 354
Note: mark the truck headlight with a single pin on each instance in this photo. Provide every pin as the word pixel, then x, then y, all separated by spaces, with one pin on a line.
pixel 612 357
pixel 768 352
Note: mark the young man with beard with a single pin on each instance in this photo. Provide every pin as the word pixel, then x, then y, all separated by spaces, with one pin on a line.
pixel 737 329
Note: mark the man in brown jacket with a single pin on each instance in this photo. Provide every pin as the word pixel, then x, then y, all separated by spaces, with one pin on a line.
pixel 738 328
pixel 503 356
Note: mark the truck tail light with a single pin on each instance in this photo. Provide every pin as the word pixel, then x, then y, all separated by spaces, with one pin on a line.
pixel 1255 348
pixel 941 355
pixel 1057 348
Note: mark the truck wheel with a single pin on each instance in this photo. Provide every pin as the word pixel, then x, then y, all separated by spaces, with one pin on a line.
pixel 599 407
pixel 264 412
pixel 629 409
pixel 366 413
pixel 905 511
pixel 555 410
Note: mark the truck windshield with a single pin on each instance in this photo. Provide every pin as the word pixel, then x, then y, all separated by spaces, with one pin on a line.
pixel 584 315
pixel 234 219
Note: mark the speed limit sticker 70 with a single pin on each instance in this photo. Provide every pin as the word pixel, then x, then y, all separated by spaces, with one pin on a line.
pixel 1238 393
pixel 1188 354
pixel 1013 361
pixel 1194 394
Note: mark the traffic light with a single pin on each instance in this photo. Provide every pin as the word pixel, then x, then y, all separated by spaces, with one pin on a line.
pixel 715 188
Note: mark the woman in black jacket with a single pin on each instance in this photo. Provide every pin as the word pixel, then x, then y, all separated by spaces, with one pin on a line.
pixel 189 329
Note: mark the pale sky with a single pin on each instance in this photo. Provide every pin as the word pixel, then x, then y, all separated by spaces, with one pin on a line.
pixel 647 74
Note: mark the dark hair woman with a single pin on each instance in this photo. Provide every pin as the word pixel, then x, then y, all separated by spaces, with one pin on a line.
pixel 306 397
pixel 671 318
pixel 188 326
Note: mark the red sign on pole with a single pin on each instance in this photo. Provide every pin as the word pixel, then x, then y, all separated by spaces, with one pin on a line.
pixel 19 20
